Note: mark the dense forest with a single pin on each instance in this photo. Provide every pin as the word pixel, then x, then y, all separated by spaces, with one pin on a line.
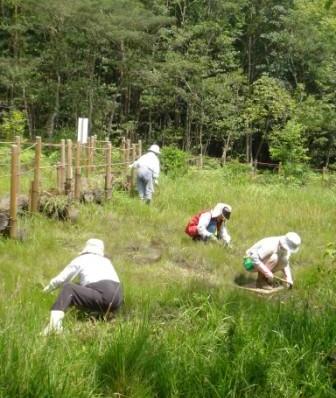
pixel 246 79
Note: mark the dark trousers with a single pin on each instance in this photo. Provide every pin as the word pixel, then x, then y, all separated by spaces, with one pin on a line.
pixel 99 296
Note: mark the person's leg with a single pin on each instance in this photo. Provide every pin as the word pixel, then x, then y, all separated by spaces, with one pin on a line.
pixel 97 297
pixel 79 296
pixel 148 177
pixel 141 187
pixel 111 292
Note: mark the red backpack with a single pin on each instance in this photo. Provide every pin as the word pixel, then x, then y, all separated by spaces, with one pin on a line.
pixel 191 228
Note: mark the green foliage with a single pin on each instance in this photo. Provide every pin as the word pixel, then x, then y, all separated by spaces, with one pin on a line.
pixel 330 251
pixel 288 145
pixel 13 123
pixel 174 161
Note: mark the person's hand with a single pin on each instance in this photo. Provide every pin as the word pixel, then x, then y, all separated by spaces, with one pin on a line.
pixel 289 285
pixel 213 238
pixel 156 182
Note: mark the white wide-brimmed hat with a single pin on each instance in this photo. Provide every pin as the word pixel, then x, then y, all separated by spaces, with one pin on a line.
pixel 94 246
pixel 291 242
pixel 221 209
pixel 155 148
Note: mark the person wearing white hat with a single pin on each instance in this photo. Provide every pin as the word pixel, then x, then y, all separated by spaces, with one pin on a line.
pixel 148 172
pixel 99 288
pixel 211 224
pixel 270 255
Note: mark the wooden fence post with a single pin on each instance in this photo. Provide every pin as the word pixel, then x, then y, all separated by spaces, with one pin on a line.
pixel 37 176
pixel 108 176
pixel 280 168
pixel 324 173
pixel 68 180
pixel 13 193
pixel 78 171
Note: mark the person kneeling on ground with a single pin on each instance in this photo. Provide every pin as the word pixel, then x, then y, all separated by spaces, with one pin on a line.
pixel 99 289
pixel 209 225
pixel 148 172
pixel 270 255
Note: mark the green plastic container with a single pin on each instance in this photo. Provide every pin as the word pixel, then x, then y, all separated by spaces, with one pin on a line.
pixel 248 264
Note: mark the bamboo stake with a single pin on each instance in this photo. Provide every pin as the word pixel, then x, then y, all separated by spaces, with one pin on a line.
pixel 93 151
pixel 78 171
pixel 68 181
pixel 13 193
pixel 37 175
pixel 139 148
pixel 62 168
pixel 87 169
pixel 18 144
pixel 134 150
pixel 108 176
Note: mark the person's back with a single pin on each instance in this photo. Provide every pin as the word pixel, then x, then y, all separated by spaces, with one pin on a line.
pixel 92 268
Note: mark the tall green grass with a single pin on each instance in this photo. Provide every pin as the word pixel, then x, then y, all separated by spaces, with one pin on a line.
pixel 184 330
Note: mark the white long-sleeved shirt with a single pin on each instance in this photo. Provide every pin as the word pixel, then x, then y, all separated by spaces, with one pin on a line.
pixel 203 224
pixel 263 251
pixel 89 267
pixel 151 161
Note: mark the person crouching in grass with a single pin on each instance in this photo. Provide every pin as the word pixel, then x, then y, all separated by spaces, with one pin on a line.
pixel 99 289
pixel 270 255
pixel 210 225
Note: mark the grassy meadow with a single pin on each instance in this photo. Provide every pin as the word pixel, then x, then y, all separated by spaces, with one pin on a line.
pixel 185 329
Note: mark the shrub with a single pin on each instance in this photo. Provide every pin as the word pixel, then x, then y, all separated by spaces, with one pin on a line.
pixel 174 161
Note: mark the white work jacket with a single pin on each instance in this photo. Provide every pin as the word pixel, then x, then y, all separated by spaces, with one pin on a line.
pixel 89 267
pixel 203 224
pixel 151 161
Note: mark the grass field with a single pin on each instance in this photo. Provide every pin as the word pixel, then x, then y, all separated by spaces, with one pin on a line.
pixel 185 330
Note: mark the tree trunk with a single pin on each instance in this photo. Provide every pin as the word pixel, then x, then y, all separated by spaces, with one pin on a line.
pixel 28 116
pixel 52 117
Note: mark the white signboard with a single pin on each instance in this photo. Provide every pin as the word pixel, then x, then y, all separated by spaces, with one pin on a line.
pixel 82 132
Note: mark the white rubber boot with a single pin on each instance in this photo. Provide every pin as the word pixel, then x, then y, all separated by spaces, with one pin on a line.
pixel 55 323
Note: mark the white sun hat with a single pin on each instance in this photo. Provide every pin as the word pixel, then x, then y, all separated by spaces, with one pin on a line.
pixel 155 148
pixel 291 242
pixel 221 209
pixel 94 246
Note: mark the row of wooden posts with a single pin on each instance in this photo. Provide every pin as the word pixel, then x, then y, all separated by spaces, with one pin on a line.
pixel 66 184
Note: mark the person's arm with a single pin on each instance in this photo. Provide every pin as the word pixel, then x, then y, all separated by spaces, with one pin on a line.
pixel 224 234
pixel 134 165
pixel 260 266
pixel 203 224
pixel 288 274
pixel 69 272
pixel 156 170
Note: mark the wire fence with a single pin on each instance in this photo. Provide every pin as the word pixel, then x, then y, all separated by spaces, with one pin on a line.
pixel 70 169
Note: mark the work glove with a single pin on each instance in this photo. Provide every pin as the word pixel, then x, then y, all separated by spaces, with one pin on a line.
pixel 47 289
